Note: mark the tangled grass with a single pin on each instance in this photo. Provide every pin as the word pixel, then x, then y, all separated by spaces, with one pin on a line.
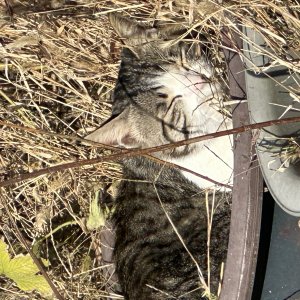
pixel 58 64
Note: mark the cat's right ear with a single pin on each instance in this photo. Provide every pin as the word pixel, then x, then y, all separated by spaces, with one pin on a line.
pixel 133 33
pixel 116 132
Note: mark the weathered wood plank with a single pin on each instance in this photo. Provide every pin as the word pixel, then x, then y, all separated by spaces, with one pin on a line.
pixel 247 193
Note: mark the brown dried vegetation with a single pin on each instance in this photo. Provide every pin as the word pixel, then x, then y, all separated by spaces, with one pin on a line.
pixel 58 64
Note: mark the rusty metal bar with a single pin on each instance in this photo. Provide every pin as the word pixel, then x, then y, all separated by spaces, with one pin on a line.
pixel 247 190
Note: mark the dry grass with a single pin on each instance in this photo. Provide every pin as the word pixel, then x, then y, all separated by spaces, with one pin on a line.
pixel 286 149
pixel 58 64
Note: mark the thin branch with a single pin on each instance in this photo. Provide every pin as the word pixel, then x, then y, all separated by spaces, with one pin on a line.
pixel 170 164
pixel 139 152
pixel 37 261
pixel 96 144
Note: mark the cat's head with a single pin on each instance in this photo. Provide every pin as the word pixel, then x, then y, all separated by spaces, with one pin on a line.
pixel 164 91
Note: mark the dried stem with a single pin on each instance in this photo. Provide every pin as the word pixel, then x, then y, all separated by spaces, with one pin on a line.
pixel 37 261
pixel 138 152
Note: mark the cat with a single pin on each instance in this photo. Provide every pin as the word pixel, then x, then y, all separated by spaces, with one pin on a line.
pixel 163 94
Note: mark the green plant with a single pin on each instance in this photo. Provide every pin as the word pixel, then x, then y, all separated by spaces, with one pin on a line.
pixel 23 271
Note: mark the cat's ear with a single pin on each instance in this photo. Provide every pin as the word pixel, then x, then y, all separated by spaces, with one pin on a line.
pixel 133 33
pixel 117 132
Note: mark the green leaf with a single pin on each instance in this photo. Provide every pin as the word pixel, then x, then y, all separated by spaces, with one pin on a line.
pixel 21 266
pixel 22 270
pixel 33 282
pixel 96 217
pixel 87 263
pixel 4 257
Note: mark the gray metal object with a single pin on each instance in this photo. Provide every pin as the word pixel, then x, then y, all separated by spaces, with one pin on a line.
pixel 282 280
pixel 268 99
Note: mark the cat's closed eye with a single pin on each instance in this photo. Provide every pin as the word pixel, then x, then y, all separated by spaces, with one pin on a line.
pixel 161 104
pixel 162 95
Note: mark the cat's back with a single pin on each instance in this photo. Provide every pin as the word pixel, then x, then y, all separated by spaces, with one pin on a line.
pixel 161 239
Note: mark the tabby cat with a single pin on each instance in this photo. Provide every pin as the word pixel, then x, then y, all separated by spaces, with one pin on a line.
pixel 164 94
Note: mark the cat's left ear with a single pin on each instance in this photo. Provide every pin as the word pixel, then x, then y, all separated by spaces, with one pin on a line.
pixel 117 132
pixel 133 33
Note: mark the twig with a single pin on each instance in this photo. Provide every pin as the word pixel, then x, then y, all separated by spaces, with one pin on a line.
pixel 167 163
pixel 139 152
pixel 28 249
pixel 79 139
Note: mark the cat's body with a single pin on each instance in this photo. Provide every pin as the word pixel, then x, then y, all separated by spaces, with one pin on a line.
pixel 163 94
pixel 151 260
